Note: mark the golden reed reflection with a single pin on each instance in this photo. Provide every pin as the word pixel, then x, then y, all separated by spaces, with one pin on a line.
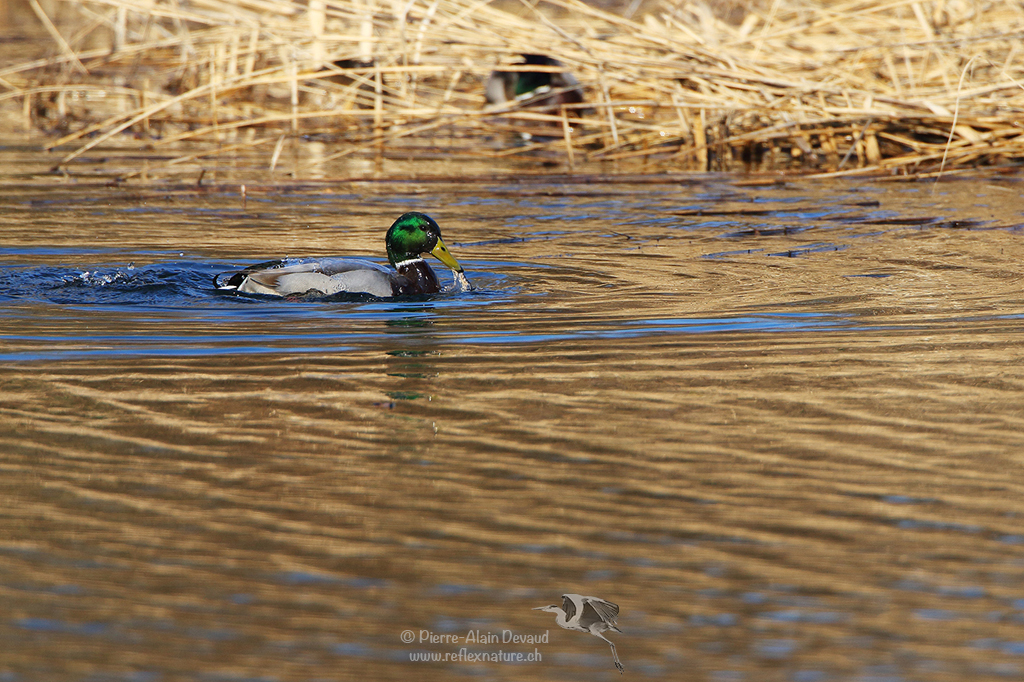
pixel 836 503
pixel 849 494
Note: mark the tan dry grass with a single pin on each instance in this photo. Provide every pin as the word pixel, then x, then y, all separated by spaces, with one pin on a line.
pixel 849 86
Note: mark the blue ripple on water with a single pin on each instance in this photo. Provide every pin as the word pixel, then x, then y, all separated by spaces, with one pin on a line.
pixel 53 625
pixel 170 308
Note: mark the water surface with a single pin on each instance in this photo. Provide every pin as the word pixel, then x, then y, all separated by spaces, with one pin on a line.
pixel 779 423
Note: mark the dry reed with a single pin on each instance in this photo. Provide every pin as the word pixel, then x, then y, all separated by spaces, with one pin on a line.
pixel 850 86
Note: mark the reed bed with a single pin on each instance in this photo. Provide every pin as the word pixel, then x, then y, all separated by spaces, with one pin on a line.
pixel 850 86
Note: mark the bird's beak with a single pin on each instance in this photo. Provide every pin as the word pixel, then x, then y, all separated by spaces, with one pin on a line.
pixel 538 608
pixel 441 253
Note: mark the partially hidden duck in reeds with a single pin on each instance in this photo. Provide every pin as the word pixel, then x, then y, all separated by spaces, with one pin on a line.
pixel 411 237
pixel 534 88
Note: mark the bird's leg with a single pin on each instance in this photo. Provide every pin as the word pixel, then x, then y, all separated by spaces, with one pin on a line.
pixel 615 655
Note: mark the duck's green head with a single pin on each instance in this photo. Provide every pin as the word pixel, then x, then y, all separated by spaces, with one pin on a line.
pixel 415 234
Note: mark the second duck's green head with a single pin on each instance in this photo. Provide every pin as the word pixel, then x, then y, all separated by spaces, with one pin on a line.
pixel 414 234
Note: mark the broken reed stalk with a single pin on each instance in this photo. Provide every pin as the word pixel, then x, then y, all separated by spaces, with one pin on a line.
pixel 886 85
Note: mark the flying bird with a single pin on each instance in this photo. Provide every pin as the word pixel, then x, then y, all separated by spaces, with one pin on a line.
pixel 587 614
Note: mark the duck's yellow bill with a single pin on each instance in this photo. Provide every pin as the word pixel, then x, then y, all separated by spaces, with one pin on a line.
pixel 441 253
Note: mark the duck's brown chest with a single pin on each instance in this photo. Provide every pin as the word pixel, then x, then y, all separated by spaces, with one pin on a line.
pixel 415 278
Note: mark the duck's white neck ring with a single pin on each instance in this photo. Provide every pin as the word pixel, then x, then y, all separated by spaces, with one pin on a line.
pixel 402 264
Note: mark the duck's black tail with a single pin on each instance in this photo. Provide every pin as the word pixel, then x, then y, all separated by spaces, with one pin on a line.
pixel 235 279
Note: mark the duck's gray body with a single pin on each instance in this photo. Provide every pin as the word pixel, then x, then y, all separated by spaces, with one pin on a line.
pixel 325 276
pixel 329 276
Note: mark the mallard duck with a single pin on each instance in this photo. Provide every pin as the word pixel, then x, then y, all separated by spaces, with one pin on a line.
pixel 411 236
pixel 530 87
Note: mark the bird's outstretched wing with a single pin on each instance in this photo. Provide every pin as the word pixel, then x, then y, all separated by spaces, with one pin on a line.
pixel 602 610
pixel 569 606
